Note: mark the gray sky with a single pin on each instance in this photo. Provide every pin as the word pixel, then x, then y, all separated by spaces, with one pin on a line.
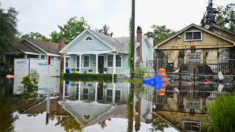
pixel 44 16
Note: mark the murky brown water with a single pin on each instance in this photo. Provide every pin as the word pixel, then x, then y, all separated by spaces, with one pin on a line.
pixel 93 106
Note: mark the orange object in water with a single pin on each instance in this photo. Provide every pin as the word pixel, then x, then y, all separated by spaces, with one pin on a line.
pixel 205 80
pixel 161 70
pixel 160 92
pixel 189 83
pixel 10 76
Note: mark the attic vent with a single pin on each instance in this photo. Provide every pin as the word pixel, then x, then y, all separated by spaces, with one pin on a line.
pixel 88 38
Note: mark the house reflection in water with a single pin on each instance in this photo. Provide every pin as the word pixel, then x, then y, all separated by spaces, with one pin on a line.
pixel 91 102
pixel 186 110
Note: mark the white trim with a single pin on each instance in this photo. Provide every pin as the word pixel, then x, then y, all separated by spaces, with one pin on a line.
pixel 88 52
pixel 77 38
pixel 113 58
pixel 31 53
pixel 87 37
pixel 84 60
pixel 192 35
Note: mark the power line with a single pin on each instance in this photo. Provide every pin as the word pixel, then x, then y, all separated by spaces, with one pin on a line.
pixel 145 16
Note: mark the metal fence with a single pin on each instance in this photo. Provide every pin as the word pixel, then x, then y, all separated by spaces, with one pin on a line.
pixel 201 66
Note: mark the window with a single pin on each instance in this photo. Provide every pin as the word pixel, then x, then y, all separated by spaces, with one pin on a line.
pixel 86 61
pixel 110 60
pixel 118 61
pixel 192 35
pixel 193 57
pixel 42 56
pixel 78 57
pixel 88 38
pixel 191 126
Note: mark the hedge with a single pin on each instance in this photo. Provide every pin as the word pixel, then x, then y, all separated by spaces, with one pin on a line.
pixel 89 77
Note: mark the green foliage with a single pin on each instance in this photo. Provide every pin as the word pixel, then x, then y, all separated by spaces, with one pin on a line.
pixel 70 30
pixel 89 77
pixel 222 114
pixel 139 72
pixel 8 30
pixel 227 17
pixel 7 118
pixel 90 70
pixel 30 86
pixel 36 36
pixel 2 63
pixel 129 47
pixel 160 33
pixel 104 30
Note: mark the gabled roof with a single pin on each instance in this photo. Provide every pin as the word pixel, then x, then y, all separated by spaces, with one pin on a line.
pixel 196 26
pixel 118 44
pixel 24 48
pixel 48 47
pixel 226 30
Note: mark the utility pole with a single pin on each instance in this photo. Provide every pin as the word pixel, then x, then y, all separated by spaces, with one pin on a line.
pixel 132 38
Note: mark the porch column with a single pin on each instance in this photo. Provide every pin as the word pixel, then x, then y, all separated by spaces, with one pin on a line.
pixel 80 64
pixel 96 65
pixel 79 86
pixel 114 63
pixel 64 62
pixel 114 87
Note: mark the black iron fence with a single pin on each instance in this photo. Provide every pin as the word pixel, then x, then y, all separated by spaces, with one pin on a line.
pixel 188 65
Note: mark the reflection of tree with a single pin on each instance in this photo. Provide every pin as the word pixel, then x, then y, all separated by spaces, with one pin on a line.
pixel 103 124
pixel 157 124
pixel 69 123
pixel 6 115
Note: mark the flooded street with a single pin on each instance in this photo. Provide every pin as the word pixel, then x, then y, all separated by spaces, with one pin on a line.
pixel 99 106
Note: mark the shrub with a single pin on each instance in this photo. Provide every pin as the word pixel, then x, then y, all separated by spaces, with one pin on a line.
pixel 89 77
pixel 222 114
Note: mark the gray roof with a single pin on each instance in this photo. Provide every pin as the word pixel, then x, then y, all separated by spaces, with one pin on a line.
pixel 119 44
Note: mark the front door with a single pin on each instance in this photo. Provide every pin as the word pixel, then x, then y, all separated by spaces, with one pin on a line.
pixel 101 64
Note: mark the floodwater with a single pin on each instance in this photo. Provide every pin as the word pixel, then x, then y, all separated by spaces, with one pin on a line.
pixel 94 106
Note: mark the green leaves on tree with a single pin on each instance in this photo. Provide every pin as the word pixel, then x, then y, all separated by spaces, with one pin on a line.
pixel 70 30
pixel 8 30
pixel 104 30
pixel 227 17
pixel 160 33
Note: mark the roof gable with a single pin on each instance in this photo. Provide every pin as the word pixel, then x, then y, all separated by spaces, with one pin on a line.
pixel 81 45
pixel 197 27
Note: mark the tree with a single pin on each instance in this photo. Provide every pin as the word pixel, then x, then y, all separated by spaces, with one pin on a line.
pixel 8 31
pixel 36 36
pixel 30 86
pixel 160 33
pixel 227 17
pixel 70 30
pixel 104 30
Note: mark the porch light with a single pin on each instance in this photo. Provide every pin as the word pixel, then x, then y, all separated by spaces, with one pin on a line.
pixel 120 56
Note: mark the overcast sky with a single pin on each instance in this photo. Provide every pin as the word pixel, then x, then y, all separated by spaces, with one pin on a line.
pixel 44 16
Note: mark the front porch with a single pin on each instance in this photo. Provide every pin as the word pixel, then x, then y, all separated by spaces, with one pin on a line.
pixel 95 62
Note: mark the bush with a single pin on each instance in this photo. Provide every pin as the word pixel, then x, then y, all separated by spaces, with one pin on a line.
pixel 222 114
pixel 89 77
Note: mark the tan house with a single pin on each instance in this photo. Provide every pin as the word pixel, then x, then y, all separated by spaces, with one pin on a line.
pixel 213 46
